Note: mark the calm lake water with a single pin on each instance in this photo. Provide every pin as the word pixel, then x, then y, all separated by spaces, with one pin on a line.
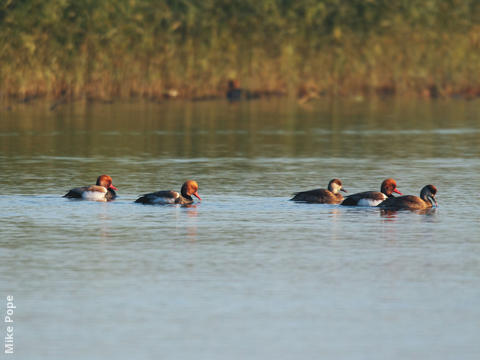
pixel 245 274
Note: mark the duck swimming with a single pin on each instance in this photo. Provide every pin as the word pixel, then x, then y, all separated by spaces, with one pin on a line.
pixel 103 190
pixel 373 198
pixel 411 202
pixel 189 188
pixel 322 196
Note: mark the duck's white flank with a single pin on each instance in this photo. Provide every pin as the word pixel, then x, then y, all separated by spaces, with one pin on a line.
pixel 95 195
pixel 369 202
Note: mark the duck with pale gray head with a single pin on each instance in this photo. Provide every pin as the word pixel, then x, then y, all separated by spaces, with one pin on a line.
pixel 322 196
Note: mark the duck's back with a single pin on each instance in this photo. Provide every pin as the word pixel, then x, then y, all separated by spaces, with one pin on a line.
pixel 163 197
pixel 319 196
pixel 404 202
pixel 366 198
pixel 76 193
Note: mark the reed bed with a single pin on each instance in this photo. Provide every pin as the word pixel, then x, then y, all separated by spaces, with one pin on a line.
pixel 103 50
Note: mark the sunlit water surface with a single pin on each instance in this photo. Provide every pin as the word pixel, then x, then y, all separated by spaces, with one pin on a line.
pixel 245 274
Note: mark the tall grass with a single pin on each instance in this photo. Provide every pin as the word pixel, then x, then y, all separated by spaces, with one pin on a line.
pixel 128 48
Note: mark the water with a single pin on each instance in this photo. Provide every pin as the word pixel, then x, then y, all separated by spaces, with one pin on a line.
pixel 245 274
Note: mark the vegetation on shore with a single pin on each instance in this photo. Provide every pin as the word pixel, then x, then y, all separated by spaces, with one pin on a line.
pixel 155 48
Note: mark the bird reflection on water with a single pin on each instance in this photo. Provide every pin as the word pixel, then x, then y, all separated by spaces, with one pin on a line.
pixel 391 215
pixel 191 223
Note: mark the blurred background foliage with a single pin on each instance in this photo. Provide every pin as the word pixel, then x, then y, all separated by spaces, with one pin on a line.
pixel 148 48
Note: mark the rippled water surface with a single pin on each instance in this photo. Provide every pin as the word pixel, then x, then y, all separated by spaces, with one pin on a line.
pixel 244 274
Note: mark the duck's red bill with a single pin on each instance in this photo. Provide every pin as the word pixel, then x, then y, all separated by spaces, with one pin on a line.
pixel 196 194
pixel 398 192
pixel 113 187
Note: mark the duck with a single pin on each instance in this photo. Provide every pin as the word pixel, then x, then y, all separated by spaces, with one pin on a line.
pixel 373 198
pixel 412 202
pixel 322 196
pixel 103 190
pixel 184 197
pixel 235 92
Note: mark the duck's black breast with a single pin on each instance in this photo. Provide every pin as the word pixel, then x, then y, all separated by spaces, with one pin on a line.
pixel 184 200
pixel 111 195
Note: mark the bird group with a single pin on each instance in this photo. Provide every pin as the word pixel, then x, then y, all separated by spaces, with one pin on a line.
pixel 383 198
pixel 104 190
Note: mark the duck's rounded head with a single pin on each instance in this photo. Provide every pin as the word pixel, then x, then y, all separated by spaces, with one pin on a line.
pixel 389 186
pixel 428 194
pixel 106 181
pixel 189 188
pixel 335 185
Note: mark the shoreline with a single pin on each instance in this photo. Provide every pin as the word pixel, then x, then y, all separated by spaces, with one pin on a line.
pixel 302 96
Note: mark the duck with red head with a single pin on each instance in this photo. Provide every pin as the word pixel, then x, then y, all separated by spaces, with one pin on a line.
pixel 189 188
pixel 373 198
pixel 103 190
pixel 322 196
pixel 411 202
